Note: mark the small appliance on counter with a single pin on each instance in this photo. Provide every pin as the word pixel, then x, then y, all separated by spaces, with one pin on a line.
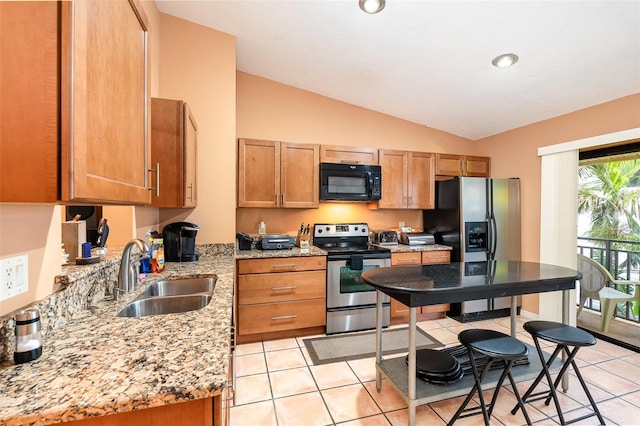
pixel 28 336
pixel 180 242
pixel 276 242
pixel 416 238
pixel 386 238
pixel 244 241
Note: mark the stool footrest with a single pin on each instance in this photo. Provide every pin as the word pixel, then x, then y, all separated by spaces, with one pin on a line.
pixel 473 411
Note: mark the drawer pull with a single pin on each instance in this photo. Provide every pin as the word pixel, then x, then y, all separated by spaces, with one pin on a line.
pixel 289 287
pixel 409 260
pixel 287 266
pixel 283 317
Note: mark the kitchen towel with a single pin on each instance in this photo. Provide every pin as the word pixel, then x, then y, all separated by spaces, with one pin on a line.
pixel 356 262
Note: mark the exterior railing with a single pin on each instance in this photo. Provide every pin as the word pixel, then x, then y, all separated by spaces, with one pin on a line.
pixel 622 259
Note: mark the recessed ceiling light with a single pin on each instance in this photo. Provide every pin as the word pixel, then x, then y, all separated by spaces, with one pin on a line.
pixel 505 61
pixel 371 6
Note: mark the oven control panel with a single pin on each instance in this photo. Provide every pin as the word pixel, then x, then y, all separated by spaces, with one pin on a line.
pixel 341 230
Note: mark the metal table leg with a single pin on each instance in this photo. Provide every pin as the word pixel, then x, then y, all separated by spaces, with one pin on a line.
pixel 378 339
pixel 514 316
pixel 566 308
pixel 412 366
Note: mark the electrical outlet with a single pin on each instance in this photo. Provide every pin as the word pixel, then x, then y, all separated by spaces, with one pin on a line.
pixel 14 276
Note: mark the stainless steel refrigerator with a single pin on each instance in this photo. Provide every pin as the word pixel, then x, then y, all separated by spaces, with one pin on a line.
pixel 480 219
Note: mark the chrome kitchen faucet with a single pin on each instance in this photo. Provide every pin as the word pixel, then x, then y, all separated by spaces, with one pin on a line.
pixel 128 274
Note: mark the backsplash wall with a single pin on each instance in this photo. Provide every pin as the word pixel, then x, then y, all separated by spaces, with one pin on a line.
pixel 288 221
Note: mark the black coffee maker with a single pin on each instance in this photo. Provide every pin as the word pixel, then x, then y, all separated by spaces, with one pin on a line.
pixel 180 242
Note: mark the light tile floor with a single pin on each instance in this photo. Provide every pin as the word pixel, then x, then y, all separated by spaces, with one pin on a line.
pixel 276 384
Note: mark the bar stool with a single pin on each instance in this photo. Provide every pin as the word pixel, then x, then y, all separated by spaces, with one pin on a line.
pixel 563 336
pixel 495 346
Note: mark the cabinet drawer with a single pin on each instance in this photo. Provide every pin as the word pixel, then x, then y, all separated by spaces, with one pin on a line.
pixel 411 258
pixel 281 264
pixel 441 256
pixel 289 286
pixel 271 317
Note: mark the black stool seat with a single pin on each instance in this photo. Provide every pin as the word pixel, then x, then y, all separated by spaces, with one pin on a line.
pixel 495 346
pixel 560 333
pixel 564 336
pixel 437 367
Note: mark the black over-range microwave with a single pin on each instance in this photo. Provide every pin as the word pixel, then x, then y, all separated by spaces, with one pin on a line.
pixel 350 182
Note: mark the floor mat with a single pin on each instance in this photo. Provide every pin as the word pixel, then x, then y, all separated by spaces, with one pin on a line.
pixel 350 346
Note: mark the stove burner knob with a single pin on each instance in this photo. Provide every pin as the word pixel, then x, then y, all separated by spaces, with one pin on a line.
pixel 327 229
pixel 355 228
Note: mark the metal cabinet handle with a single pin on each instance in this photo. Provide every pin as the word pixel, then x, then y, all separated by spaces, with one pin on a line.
pixel 288 266
pixel 157 172
pixel 190 188
pixel 408 260
pixel 289 287
pixel 284 317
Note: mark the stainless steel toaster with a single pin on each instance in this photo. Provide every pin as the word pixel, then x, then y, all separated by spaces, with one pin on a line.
pixel 388 238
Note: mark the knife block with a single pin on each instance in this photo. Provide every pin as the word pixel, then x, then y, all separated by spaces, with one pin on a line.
pixel 302 240
pixel 74 233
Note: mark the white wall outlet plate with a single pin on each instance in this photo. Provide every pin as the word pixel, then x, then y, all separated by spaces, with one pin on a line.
pixel 14 276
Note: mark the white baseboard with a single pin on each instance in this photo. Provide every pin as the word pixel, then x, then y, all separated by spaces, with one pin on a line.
pixel 529 315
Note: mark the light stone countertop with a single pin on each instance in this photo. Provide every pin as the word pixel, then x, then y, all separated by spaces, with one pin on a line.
pixel 255 253
pixel 99 364
pixel 403 248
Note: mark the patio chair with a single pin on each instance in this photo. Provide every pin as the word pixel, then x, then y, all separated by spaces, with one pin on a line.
pixel 594 285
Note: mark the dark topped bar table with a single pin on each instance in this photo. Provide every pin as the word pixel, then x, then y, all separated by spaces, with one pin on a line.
pixel 421 285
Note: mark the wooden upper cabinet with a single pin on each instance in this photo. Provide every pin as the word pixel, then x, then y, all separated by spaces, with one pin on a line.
pixel 462 165
pixel 394 179
pixel 300 175
pixel 278 174
pixel 77 84
pixel 173 148
pixel 348 155
pixel 29 105
pixel 477 166
pixel 407 180
pixel 420 180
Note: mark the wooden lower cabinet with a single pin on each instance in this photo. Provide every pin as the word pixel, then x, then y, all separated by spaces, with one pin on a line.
pixel 200 412
pixel 400 311
pixel 280 297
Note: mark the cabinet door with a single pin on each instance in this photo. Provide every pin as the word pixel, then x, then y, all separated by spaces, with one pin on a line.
pixel 420 180
pixel 190 186
pixel 348 154
pixel 448 165
pixel 398 309
pixel 394 179
pixel 29 115
pixel 105 153
pixel 477 166
pixel 258 173
pixel 167 152
pixel 299 175
pixel 173 149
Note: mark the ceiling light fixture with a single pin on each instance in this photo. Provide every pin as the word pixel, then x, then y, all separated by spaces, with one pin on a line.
pixel 505 61
pixel 371 6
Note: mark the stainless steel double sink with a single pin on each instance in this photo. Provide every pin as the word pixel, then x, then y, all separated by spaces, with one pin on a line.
pixel 171 297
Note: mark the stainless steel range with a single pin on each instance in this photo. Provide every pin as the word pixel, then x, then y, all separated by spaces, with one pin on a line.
pixel 351 303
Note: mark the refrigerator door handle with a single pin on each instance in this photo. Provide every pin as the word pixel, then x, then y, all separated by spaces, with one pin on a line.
pixel 493 236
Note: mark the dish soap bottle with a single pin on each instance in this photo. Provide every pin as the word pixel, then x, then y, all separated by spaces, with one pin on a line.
pixel 157 256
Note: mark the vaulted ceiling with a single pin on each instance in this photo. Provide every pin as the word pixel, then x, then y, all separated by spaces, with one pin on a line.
pixel 429 61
